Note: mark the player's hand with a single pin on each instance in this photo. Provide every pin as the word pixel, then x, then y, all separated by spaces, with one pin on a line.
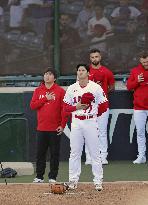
pixel 140 78
pixel 59 130
pixel 99 83
pixel 80 106
pixel 50 96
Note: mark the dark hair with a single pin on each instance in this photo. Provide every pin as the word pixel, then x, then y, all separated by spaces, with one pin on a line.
pixel 84 65
pixel 99 6
pixel 143 54
pixel 94 50
pixel 50 70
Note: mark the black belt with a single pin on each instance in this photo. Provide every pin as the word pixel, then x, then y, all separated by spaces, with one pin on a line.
pixel 84 117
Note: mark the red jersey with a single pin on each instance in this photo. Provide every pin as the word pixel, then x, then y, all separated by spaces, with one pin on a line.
pixel 106 77
pixel 140 89
pixel 50 113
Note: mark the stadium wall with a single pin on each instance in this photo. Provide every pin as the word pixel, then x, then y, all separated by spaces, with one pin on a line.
pixel 18 125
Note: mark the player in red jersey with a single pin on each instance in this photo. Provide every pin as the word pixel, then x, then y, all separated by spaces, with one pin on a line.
pixel 138 82
pixel 104 77
pixel 48 101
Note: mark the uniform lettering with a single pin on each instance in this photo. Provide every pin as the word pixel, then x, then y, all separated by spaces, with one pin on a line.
pixel 41 96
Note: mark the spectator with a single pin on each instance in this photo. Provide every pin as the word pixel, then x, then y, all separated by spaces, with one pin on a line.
pixel 69 38
pixel 83 17
pixel 68 35
pixel 40 12
pixel 16 14
pixel 99 19
pixel 99 39
pixel 124 17
pixel 134 12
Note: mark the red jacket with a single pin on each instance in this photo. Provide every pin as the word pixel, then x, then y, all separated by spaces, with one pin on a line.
pixel 140 89
pixel 50 113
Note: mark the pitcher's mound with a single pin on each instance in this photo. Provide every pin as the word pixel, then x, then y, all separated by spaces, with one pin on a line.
pixel 123 193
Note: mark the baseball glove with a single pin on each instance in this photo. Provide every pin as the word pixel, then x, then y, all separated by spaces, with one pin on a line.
pixel 58 188
pixel 8 173
pixel 87 98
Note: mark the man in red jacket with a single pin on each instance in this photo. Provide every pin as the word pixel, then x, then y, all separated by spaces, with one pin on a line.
pixel 48 101
pixel 138 82
pixel 104 77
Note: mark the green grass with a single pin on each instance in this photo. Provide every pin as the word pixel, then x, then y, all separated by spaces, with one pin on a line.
pixel 114 171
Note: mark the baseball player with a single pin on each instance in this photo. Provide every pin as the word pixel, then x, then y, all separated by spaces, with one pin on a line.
pixel 84 125
pixel 104 77
pixel 138 82
pixel 48 101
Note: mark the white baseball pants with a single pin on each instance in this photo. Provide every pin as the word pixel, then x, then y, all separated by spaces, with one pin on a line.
pixel 84 130
pixel 140 117
pixel 102 133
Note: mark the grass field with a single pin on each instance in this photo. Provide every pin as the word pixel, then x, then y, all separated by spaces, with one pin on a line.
pixel 114 171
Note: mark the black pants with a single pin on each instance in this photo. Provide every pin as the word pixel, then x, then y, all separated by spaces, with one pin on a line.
pixel 47 140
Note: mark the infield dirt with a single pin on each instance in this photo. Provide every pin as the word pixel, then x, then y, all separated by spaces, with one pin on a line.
pixel 121 193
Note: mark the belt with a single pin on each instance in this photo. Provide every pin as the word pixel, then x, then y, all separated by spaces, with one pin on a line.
pixel 84 117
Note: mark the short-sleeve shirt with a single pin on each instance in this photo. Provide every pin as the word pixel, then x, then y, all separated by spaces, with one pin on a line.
pixel 134 12
pixel 108 77
pixel 103 21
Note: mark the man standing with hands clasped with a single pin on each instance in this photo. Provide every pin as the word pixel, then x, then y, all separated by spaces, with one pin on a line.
pixel 104 77
pixel 138 82
pixel 85 100
pixel 48 101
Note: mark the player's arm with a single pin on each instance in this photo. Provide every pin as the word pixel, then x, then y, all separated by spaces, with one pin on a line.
pixel 102 108
pixel 65 118
pixel 133 81
pixel 71 108
pixel 103 102
pixel 111 88
pixel 68 103
pixel 64 115
pixel 111 82
pixel 36 103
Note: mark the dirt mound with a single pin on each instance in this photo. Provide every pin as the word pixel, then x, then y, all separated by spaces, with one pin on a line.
pixel 113 194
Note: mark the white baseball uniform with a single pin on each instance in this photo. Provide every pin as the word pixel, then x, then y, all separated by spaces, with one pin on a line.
pixel 84 127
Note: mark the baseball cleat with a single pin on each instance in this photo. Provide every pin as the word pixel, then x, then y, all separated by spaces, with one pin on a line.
pixel 72 185
pixel 140 160
pixel 98 187
pixel 88 162
pixel 104 161
pixel 52 181
pixel 37 180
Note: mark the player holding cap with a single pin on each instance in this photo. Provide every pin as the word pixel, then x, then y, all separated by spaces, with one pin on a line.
pixel 84 124
pixel 104 77
pixel 138 81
